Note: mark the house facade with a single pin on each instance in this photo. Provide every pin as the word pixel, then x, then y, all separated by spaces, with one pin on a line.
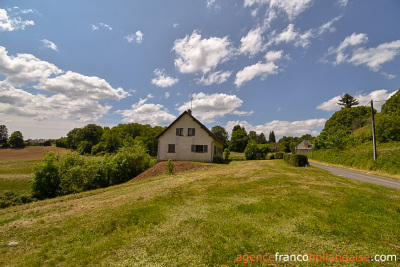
pixel 304 147
pixel 187 139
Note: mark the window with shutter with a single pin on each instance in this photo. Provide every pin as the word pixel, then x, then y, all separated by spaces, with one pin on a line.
pixel 179 131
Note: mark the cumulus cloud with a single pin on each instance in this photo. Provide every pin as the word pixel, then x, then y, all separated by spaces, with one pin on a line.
pixel 292 8
pixel 94 27
pixel 209 107
pixel 342 3
pixel 49 44
pixel 75 85
pixel 259 69
pixel 282 128
pixel 195 54
pixel 350 51
pixel 175 25
pixel 163 80
pixel 144 113
pixel 217 77
pixel 379 97
pixel 41 107
pixel 24 68
pixel 9 22
pixel 72 95
pixel 253 42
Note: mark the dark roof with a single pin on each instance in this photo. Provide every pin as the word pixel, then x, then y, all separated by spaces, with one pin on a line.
pixel 196 120
pixel 304 145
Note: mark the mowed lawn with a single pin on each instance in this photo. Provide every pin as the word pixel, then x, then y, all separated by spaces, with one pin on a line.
pixel 206 217
pixel 16 166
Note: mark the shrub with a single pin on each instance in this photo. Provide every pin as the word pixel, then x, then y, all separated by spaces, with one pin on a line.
pixel 85 147
pixel 256 151
pixel 296 160
pixel 271 156
pixel 99 148
pixel 62 142
pixel 279 155
pixel 218 160
pixel 47 143
pixel 227 152
pixel 10 198
pixel 46 182
pixel 170 167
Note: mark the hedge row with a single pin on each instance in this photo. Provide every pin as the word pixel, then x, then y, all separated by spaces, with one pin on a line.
pixel 72 173
pixel 296 160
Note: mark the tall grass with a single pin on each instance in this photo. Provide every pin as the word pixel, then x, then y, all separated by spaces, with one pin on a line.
pixel 205 218
pixel 361 157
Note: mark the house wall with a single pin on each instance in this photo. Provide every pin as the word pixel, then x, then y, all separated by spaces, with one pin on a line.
pixel 183 144
pixel 303 151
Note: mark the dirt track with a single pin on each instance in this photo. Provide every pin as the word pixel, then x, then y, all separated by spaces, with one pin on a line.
pixel 29 153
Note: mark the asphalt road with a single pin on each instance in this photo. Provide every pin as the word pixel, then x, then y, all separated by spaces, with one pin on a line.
pixel 373 179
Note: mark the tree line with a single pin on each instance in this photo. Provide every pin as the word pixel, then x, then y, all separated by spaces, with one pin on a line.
pixel 16 139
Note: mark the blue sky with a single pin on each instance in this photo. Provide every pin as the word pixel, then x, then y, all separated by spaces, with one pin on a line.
pixel 269 65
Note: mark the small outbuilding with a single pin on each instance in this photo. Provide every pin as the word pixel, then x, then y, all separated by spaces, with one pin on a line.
pixel 187 139
pixel 304 147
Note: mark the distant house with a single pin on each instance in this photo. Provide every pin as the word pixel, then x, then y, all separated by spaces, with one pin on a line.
pixel 36 142
pixel 188 139
pixel 304 147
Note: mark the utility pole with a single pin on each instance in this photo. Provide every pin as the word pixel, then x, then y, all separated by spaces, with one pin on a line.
pixel 373 129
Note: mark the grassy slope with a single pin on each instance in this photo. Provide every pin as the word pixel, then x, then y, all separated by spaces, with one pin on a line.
pixel 204 218
pixel 361 157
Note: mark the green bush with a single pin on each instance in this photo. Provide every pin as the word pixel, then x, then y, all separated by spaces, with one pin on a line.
pixel 62 142
pixel 279 155
pixel 296 160
pixel 84 147
pixel 170 167
pixel 227 152
pixel 72 173
pixel 47 143
pixel 99 148
pixel 218 160
pixel 46 183
pixel 256 151
pixel 10 198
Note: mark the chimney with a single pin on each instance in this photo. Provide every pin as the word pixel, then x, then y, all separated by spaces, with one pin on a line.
pixel 189 111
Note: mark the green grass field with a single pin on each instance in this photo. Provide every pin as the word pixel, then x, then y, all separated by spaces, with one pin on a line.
pixel 204 218
pixel 15 175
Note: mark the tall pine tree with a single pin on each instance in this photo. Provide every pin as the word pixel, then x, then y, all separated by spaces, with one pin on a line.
pixel 271 138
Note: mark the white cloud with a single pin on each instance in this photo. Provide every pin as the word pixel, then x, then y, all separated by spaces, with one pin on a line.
pixel 342 3
pixel 376 56
pixel 105 26
pixel 253 42
pixel 24 68
pixel 213 4
pixel 40 107
pixel 175 25
pixel 94 27
pixel 209 107
pixel 162 80
pixel 72 95
pixel 327 27
pixel 135 37
pixel 76 86
pixel 379 96
pixel 350 52
pixel 290 35
pixel 153 114
pixel 166 95
pixel 282 128
pixel 139 37
pixel 259 69
pixel 292 8
pixel 12 23
pixel 49 44
pixel 388 76
pixel 195 54
pixel 217 77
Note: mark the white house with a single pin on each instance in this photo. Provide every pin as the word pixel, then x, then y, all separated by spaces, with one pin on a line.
pixel 188 139
pixel 304 147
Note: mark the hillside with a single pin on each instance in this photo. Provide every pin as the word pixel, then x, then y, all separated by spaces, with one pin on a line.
pixel 205 217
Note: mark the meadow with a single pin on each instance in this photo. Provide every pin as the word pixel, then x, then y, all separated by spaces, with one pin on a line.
pixel 206 217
